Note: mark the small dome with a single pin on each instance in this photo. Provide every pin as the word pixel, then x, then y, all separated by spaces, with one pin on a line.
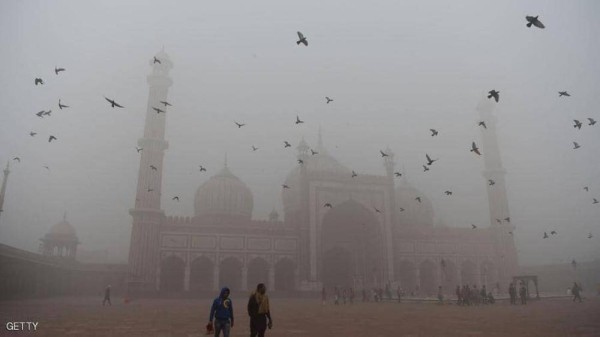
pixel 224 194
pixel 415 213
pixel 62 231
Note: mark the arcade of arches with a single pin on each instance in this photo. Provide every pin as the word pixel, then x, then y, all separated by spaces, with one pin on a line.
pixel 203 275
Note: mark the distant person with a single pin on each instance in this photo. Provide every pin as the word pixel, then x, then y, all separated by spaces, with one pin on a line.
pixel 523 294
pixel 323 295
pixel 399 294
pixel 222 313
pixel 351 295
pixel 259 311
pixel 106 296
pixel 512 292
pixel 483 294
pixel 576 290
pixel 490 298
pixel 440 295
pixel 344 295
pixel 459 299
pixel 336 296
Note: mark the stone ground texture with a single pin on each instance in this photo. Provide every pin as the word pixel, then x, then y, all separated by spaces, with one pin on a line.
pixel 304 317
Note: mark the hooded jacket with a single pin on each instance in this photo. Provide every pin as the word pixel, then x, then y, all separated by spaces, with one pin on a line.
pixel 222 308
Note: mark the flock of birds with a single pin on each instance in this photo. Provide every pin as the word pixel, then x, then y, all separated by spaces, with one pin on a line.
pixel 302 39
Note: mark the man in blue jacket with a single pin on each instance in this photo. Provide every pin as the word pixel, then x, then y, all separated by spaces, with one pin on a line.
pixel 222 312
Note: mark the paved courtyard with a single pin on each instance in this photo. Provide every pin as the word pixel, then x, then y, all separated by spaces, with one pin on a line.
pixel 304 317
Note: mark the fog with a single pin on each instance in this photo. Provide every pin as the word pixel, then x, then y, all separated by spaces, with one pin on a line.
pixel 394 71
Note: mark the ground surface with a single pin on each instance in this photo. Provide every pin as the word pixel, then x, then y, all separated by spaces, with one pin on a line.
pixel 303 317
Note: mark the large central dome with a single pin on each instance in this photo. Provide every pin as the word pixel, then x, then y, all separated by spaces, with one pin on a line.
pixel 224 195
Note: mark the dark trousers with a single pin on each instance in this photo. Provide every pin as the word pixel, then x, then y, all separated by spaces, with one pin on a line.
pixel 106 299
pixel 258 325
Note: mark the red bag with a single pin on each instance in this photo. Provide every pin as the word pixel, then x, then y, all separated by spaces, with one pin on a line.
pixel 209 328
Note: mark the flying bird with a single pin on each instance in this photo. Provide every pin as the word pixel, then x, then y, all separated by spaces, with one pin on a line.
pixel 300 161
pixel 482 123
pixel 397 174
pixel 166 103
pixel 302 39
pixel 328 205
pixel 158 110
pixel 51 138
pixel 495 94
pixel 592 121
pixel 590 236
pixel 448 192
pixel 58 70
pixel 17 159
pixel 32 133
pixel 329 100
pixel 286 144
pixel 138 149
pixel 298 121
pixel 60 105
pixel 511 233
pixel 46 167
pixel 563 93
pixel 595 201
pixel 418 199
pixel 156 60
pixel 150 189
pixel 553 233
pixel 383 154
pixel 202 168
pixel 507 219
pixel 545 235
pixel 47 113
pixel 577 124
pixel 354 174
pixel 475 149
pixel 576 146
pixel 239 125
pixel 425 168
pixel 113 103
pixel 38 81
pixel 40 114
pixel 533 20
pixel 401 209
pixel 153 167
pixel 175 198
pixel 434 132
pixel 376 210
pixel 473 226
pixel 587 189
pixel 429 160
pixel 313 152
pixel 285 186
pixel 498 221
pixel 254 148
pixel 491 182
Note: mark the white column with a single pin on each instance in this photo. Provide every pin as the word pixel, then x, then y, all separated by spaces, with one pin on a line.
pixel 245 278
pixel 216 277
pixel 271 277
pixel 186 277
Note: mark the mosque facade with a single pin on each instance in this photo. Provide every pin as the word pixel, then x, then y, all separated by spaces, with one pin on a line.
pixel 376 232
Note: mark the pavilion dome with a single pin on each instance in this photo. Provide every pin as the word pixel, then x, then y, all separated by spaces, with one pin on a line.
pixel 224 194
pixel 62 231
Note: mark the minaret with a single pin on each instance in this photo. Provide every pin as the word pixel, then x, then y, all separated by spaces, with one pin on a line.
pixel 3 191
pixel 497 199
pixel 147 214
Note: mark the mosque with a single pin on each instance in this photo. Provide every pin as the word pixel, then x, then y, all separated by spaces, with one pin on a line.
pixel 376 232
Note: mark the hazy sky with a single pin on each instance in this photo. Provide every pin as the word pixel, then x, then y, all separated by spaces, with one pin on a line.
pixel 395 70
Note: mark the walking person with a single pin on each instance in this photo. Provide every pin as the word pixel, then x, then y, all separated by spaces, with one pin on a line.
pixel 523 294
pixel 323 295
pixel 459 299
pixel 259 311
pixel 512 291
pixel 576 291
pixel 222 313
pixel 106 296
pixel 440 295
